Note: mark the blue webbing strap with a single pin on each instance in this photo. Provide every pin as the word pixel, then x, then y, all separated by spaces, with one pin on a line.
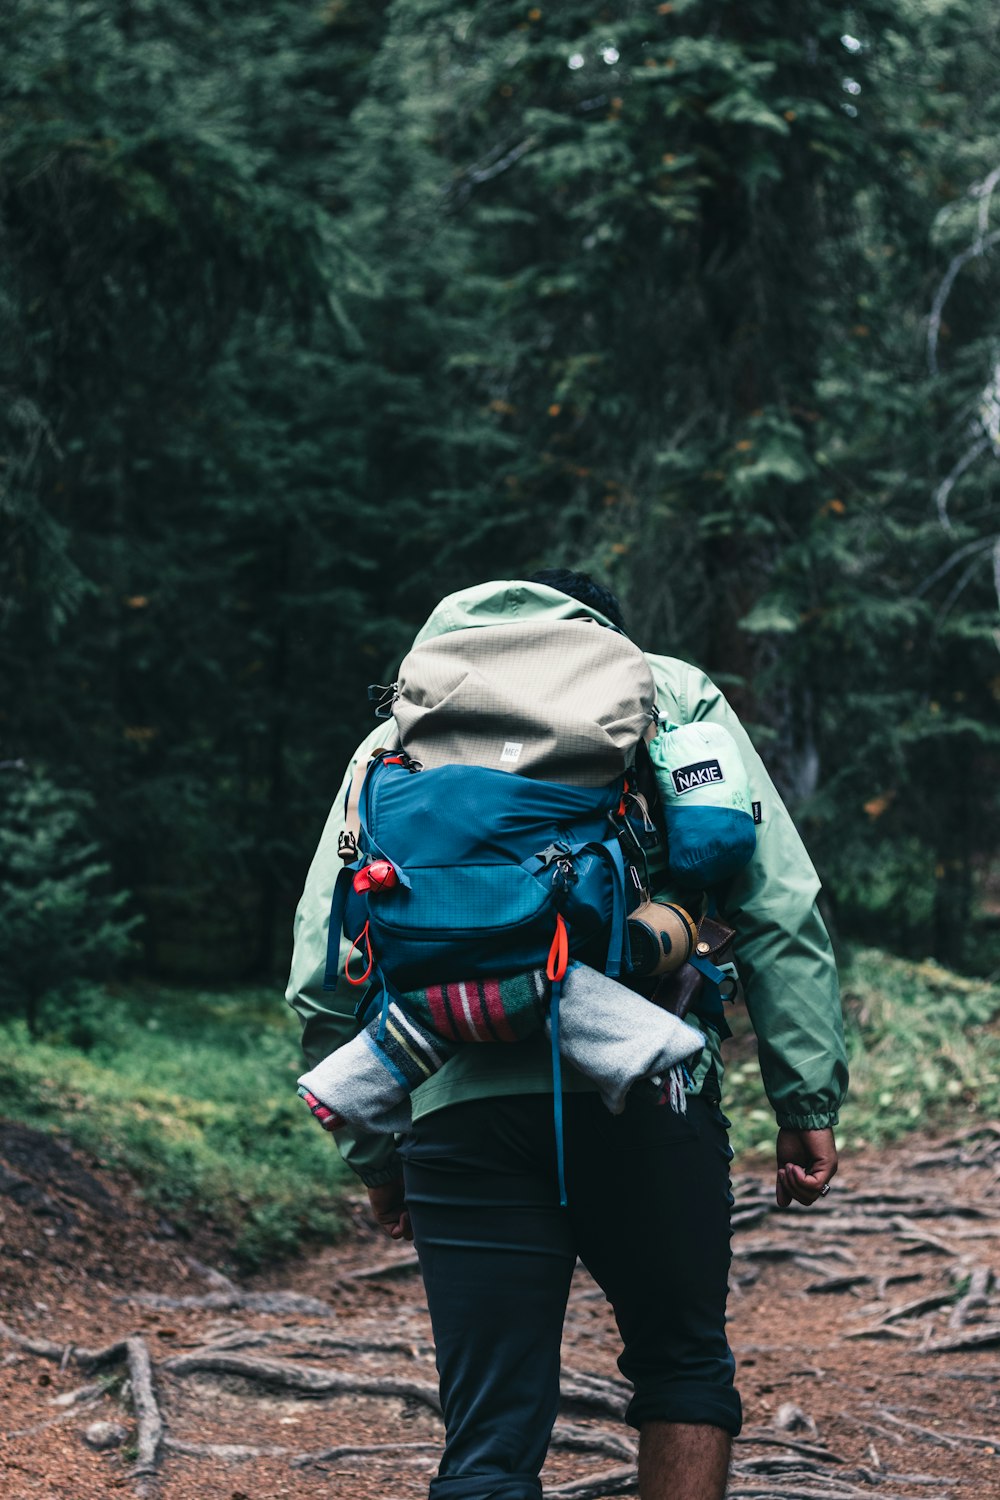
pixel 384 1013
pixel 557 1099
pixel 375 1001
pixel 715 977
pixel 337 908
pixel 712 1011
pixel 618 951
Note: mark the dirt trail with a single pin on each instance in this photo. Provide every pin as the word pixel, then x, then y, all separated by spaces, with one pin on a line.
pixel 876 1314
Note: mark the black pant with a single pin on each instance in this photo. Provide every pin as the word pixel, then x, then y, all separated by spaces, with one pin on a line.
pixel 648 1215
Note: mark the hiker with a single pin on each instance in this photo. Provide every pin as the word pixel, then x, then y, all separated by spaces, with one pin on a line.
pixel 475 1180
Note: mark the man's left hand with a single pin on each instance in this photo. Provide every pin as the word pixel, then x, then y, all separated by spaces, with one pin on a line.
pixel 807 1161
pixel 389 1207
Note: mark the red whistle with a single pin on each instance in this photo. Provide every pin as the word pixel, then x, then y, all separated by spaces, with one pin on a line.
pixel 378 876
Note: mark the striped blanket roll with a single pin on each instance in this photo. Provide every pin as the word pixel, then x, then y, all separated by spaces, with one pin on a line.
pixel 481 1010
pixel 611 1035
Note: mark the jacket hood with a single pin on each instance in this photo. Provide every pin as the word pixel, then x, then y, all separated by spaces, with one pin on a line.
pixel 505 601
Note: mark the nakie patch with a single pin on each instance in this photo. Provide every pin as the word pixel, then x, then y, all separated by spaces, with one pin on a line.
pixel 511 752
pixel 702 773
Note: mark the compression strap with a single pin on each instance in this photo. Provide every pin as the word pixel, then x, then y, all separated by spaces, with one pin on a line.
pixel 557 1099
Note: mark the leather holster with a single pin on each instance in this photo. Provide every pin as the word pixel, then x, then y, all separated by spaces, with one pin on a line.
pixel 678 991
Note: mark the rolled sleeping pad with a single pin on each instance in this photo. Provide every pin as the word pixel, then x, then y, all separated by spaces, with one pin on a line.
pixel 705 794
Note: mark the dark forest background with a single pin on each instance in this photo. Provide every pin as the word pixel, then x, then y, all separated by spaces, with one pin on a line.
pixel 313 312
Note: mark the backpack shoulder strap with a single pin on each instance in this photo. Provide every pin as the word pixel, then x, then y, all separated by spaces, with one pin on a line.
pixel 352 806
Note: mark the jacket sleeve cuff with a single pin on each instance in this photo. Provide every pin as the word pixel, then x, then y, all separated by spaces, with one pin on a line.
pixel 809 1122
pixel 378 1177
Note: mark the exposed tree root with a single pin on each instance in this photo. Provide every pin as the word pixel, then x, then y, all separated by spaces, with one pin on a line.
pixel 975 1298
pixel 809 1450
pixel 243 1452
pixel 588 1440
pixel 834 1487
pixel 399 1265
pixel 63 1354
pixel 315 1338
pixel 576 1395
pixel 233 1300
pixel 348 1450
pixel 622 1481
pixel 228 1452
pixel 150 1423
pixel 302 1378
pixel 976 1338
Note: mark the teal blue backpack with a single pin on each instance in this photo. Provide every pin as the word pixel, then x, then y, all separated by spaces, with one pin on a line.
pixel 462 871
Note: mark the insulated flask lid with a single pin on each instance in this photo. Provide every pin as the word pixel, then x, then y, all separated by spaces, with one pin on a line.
pixel 661 937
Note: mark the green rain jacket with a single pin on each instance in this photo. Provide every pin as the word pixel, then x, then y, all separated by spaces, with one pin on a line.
pixel 782 949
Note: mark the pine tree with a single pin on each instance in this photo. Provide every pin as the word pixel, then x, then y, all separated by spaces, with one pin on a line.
pixel 62 926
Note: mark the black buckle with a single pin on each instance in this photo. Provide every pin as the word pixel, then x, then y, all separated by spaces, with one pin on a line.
pixel 383 696
pixel 554 854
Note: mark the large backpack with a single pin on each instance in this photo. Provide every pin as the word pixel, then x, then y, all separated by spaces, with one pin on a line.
pixel 460 868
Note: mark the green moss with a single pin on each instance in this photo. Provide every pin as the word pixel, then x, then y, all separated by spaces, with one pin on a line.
pixel 193 1093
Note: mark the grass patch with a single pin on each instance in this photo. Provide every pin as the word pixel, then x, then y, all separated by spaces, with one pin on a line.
pixel 194 1093
pixel 924 1045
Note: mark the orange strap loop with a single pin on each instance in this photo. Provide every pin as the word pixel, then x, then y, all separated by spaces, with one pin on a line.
pixel 363 937
pixel 555 969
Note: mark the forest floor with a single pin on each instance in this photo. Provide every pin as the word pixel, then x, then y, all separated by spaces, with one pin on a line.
pixel 866 1332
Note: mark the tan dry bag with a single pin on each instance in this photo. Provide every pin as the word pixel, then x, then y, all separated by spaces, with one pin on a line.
pixel 561 700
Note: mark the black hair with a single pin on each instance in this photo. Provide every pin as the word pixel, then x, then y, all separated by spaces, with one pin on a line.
pixel 581 586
